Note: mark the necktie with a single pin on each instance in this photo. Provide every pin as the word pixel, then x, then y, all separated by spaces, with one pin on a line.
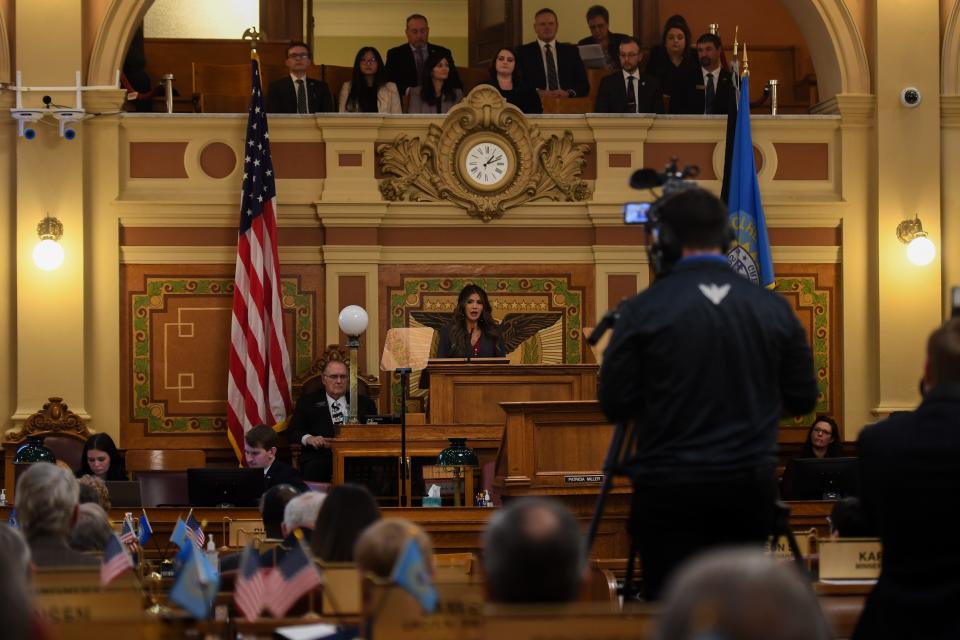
pixel 631 95
pixel 336 414
pixel 710 95
pixel 418 58
pixel 552 82
pixel 301 97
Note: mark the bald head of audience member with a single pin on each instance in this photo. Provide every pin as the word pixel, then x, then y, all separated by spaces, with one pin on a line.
pixel 740 594
pixel 46 502
pixel 381 543
pixel 534 552
pixel 15 607
pixel 272 504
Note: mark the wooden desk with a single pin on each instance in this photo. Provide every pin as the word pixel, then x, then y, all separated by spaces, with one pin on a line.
pixel 471 394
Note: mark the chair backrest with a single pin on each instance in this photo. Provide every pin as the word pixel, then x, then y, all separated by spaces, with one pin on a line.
pixel 222 79
pixel 472 76
pixel 342 593
pixel 164 459
pixel 66 447
pixel 567 105
pixel 595 76
pixel 163 488
pixel 335 76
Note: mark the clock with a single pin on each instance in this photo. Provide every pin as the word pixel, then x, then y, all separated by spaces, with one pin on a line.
pixel 486 161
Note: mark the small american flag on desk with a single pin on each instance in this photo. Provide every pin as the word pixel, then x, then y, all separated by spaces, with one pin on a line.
pixel 258 389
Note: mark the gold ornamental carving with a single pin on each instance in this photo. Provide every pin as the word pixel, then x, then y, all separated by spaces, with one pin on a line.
pixel 530 166
pixel 54 417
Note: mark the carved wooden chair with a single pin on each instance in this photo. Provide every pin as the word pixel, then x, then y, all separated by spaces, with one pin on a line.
pixel 62 430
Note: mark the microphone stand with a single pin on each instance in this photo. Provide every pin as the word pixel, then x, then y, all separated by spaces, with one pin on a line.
pixel 404 373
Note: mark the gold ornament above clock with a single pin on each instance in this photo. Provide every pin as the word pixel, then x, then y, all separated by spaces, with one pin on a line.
pixel 485 158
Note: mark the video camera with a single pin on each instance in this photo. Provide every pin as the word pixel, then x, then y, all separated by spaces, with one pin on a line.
pixel 662 246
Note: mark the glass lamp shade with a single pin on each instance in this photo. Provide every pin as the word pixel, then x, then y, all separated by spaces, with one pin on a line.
pixel 33 451
pixel 458 454
pixel 48 254
pixel 921 251
pixel 353 320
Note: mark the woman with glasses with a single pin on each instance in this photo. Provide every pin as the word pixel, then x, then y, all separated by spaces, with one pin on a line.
pixel 823 439
pixel 369 91
pixel 437 92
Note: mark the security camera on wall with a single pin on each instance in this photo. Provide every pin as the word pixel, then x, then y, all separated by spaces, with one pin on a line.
pixel 910 97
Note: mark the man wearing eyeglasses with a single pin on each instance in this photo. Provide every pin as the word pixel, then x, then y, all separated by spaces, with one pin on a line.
pixel 297 93
pixel 319 416
pixel 627 90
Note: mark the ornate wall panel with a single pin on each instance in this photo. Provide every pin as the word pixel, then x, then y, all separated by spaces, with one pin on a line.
pixel 175 346
pixel 542 311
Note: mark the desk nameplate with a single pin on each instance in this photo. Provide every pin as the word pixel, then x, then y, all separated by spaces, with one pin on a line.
pixel 850 559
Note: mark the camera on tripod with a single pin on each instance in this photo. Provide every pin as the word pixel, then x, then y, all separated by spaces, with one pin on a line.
pixel 672 180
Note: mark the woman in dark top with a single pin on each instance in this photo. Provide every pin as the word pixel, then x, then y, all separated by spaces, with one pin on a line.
pixel 100 458
pixel 823 439
pixel 674 62
pixel 369 91
pixel 347 511
pixel 506 78
pixel 473 333
pixel 437 92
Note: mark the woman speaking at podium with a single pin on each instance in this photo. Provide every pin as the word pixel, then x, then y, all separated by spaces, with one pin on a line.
pixel 473 333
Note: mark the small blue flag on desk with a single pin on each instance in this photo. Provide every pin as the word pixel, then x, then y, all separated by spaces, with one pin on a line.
pixel 196 584
pixel 412 574
pixel 146 531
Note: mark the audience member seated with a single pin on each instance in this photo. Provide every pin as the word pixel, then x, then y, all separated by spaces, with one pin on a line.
pixel 261 453
pixel 94 490
pixel 472 333
pixel 909 480
pixel 347 510
pixel 740 594
pixel 301 513
pixel 297 93
pixel 552 67
pixel 16 609
pixel 380 545
pixel 598 21
pixel 534 552
pixel 708 89
pixel 437 92
pixel 627 90
pixel 847 521
pixel 101 458
pixel 92 530
pixel 272 504
pixel 673 62
pixel 369 91
pixel 405 63
pixel 46 501
pixel 506 78
pixel 318 416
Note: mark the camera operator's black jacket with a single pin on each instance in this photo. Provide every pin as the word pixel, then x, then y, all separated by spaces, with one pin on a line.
pixel 706 362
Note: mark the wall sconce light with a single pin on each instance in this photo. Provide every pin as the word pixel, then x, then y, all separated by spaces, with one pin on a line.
pixel 48 254
pixel 920 249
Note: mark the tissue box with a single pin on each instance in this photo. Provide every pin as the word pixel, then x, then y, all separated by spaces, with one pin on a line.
pixel 431 502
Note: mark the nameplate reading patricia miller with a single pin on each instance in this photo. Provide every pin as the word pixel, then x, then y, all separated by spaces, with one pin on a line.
pixel 582 479
pixel 850 559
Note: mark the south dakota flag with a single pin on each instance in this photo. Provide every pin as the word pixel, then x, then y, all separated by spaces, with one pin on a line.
pixel 750 254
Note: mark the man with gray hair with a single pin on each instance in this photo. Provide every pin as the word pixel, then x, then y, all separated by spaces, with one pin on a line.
pixel 533 552
pixel 15 606
pixel 91 531
pixel 46 502
pixel 301 513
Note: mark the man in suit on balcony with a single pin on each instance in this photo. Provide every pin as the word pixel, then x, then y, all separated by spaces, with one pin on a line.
pixel 554 68
pixel 319 416
pixel 627 90
pixel 708 89
pixel 405 63
pixel 297 93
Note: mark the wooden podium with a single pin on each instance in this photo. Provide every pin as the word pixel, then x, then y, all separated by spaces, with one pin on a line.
pixel 470 393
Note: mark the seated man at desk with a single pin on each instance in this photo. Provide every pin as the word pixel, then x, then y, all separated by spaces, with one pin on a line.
pixel 319 416
pixel 261 453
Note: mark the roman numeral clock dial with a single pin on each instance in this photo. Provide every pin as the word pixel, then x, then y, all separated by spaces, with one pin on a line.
pixel 487 163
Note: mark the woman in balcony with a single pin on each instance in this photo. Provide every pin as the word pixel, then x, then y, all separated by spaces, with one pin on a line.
pixel 436 93
pixel 506 78
pixel 369 91
pixel 674 62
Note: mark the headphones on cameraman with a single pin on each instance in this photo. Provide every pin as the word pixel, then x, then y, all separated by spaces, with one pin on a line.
pixel 665 248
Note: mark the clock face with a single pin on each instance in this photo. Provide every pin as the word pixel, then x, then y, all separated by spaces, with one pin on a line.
pixel 487 164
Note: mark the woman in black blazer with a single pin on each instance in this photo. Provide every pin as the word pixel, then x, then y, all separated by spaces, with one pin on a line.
pixel 674 62
pixel 505 77
pixel 473 333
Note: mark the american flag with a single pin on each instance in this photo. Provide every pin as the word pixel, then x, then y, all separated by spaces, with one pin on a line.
pixel 258 389
pixel 127 535
pixel 198 536
pixel 249 589
pixel 116 560
pixel 295 576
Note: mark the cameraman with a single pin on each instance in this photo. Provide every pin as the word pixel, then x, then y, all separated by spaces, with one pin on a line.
pixel 704 363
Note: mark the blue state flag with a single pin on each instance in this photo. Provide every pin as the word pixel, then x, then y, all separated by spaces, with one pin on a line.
pixel 12 520
pixel 179 535
pixel 750 253
pixel 146 531
pixel 412 574
pixel 196 585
